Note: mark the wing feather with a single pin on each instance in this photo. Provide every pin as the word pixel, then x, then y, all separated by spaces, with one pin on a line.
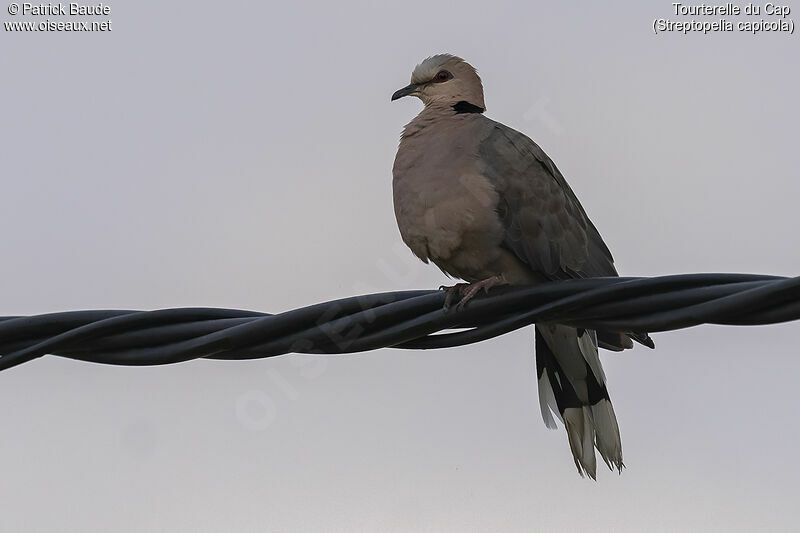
pixel 545 225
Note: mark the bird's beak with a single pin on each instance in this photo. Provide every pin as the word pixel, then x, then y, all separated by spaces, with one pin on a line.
pixel 405 91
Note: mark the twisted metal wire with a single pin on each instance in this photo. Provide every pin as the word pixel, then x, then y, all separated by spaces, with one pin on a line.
pixel 407 319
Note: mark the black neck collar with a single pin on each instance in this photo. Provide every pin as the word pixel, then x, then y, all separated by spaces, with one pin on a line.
pixel 466 107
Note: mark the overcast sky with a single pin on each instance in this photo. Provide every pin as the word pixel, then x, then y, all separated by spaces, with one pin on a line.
pixel 239 154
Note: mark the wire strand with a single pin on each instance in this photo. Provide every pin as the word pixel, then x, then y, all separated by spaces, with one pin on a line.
pixel 407 319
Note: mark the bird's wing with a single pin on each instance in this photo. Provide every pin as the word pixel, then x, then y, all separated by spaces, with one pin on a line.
pixel 545 224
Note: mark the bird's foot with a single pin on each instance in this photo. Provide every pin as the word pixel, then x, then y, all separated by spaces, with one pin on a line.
pixel 464 292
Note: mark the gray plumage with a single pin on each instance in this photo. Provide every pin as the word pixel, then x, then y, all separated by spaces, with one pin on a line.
pixel 485 204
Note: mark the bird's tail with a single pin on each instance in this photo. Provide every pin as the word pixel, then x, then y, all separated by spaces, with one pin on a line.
pixel 572 387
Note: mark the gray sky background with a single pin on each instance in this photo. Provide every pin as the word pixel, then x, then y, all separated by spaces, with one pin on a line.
pixel 239 154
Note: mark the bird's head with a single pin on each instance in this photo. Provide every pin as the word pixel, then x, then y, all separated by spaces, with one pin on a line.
pixel 444 79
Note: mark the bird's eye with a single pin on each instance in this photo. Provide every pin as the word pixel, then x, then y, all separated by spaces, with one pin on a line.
pixel 441 76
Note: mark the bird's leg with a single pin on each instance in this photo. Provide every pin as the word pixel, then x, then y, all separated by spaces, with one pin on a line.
pixel 466 291
pixel 474 288
pixel 452 293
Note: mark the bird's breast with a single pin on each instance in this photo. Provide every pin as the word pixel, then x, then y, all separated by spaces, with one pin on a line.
pixel 446 210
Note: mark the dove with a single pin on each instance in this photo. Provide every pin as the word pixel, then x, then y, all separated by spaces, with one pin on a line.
pixel 486 205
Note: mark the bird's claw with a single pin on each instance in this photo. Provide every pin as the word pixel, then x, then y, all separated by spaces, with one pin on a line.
pixel 452 293
pixel 467 291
